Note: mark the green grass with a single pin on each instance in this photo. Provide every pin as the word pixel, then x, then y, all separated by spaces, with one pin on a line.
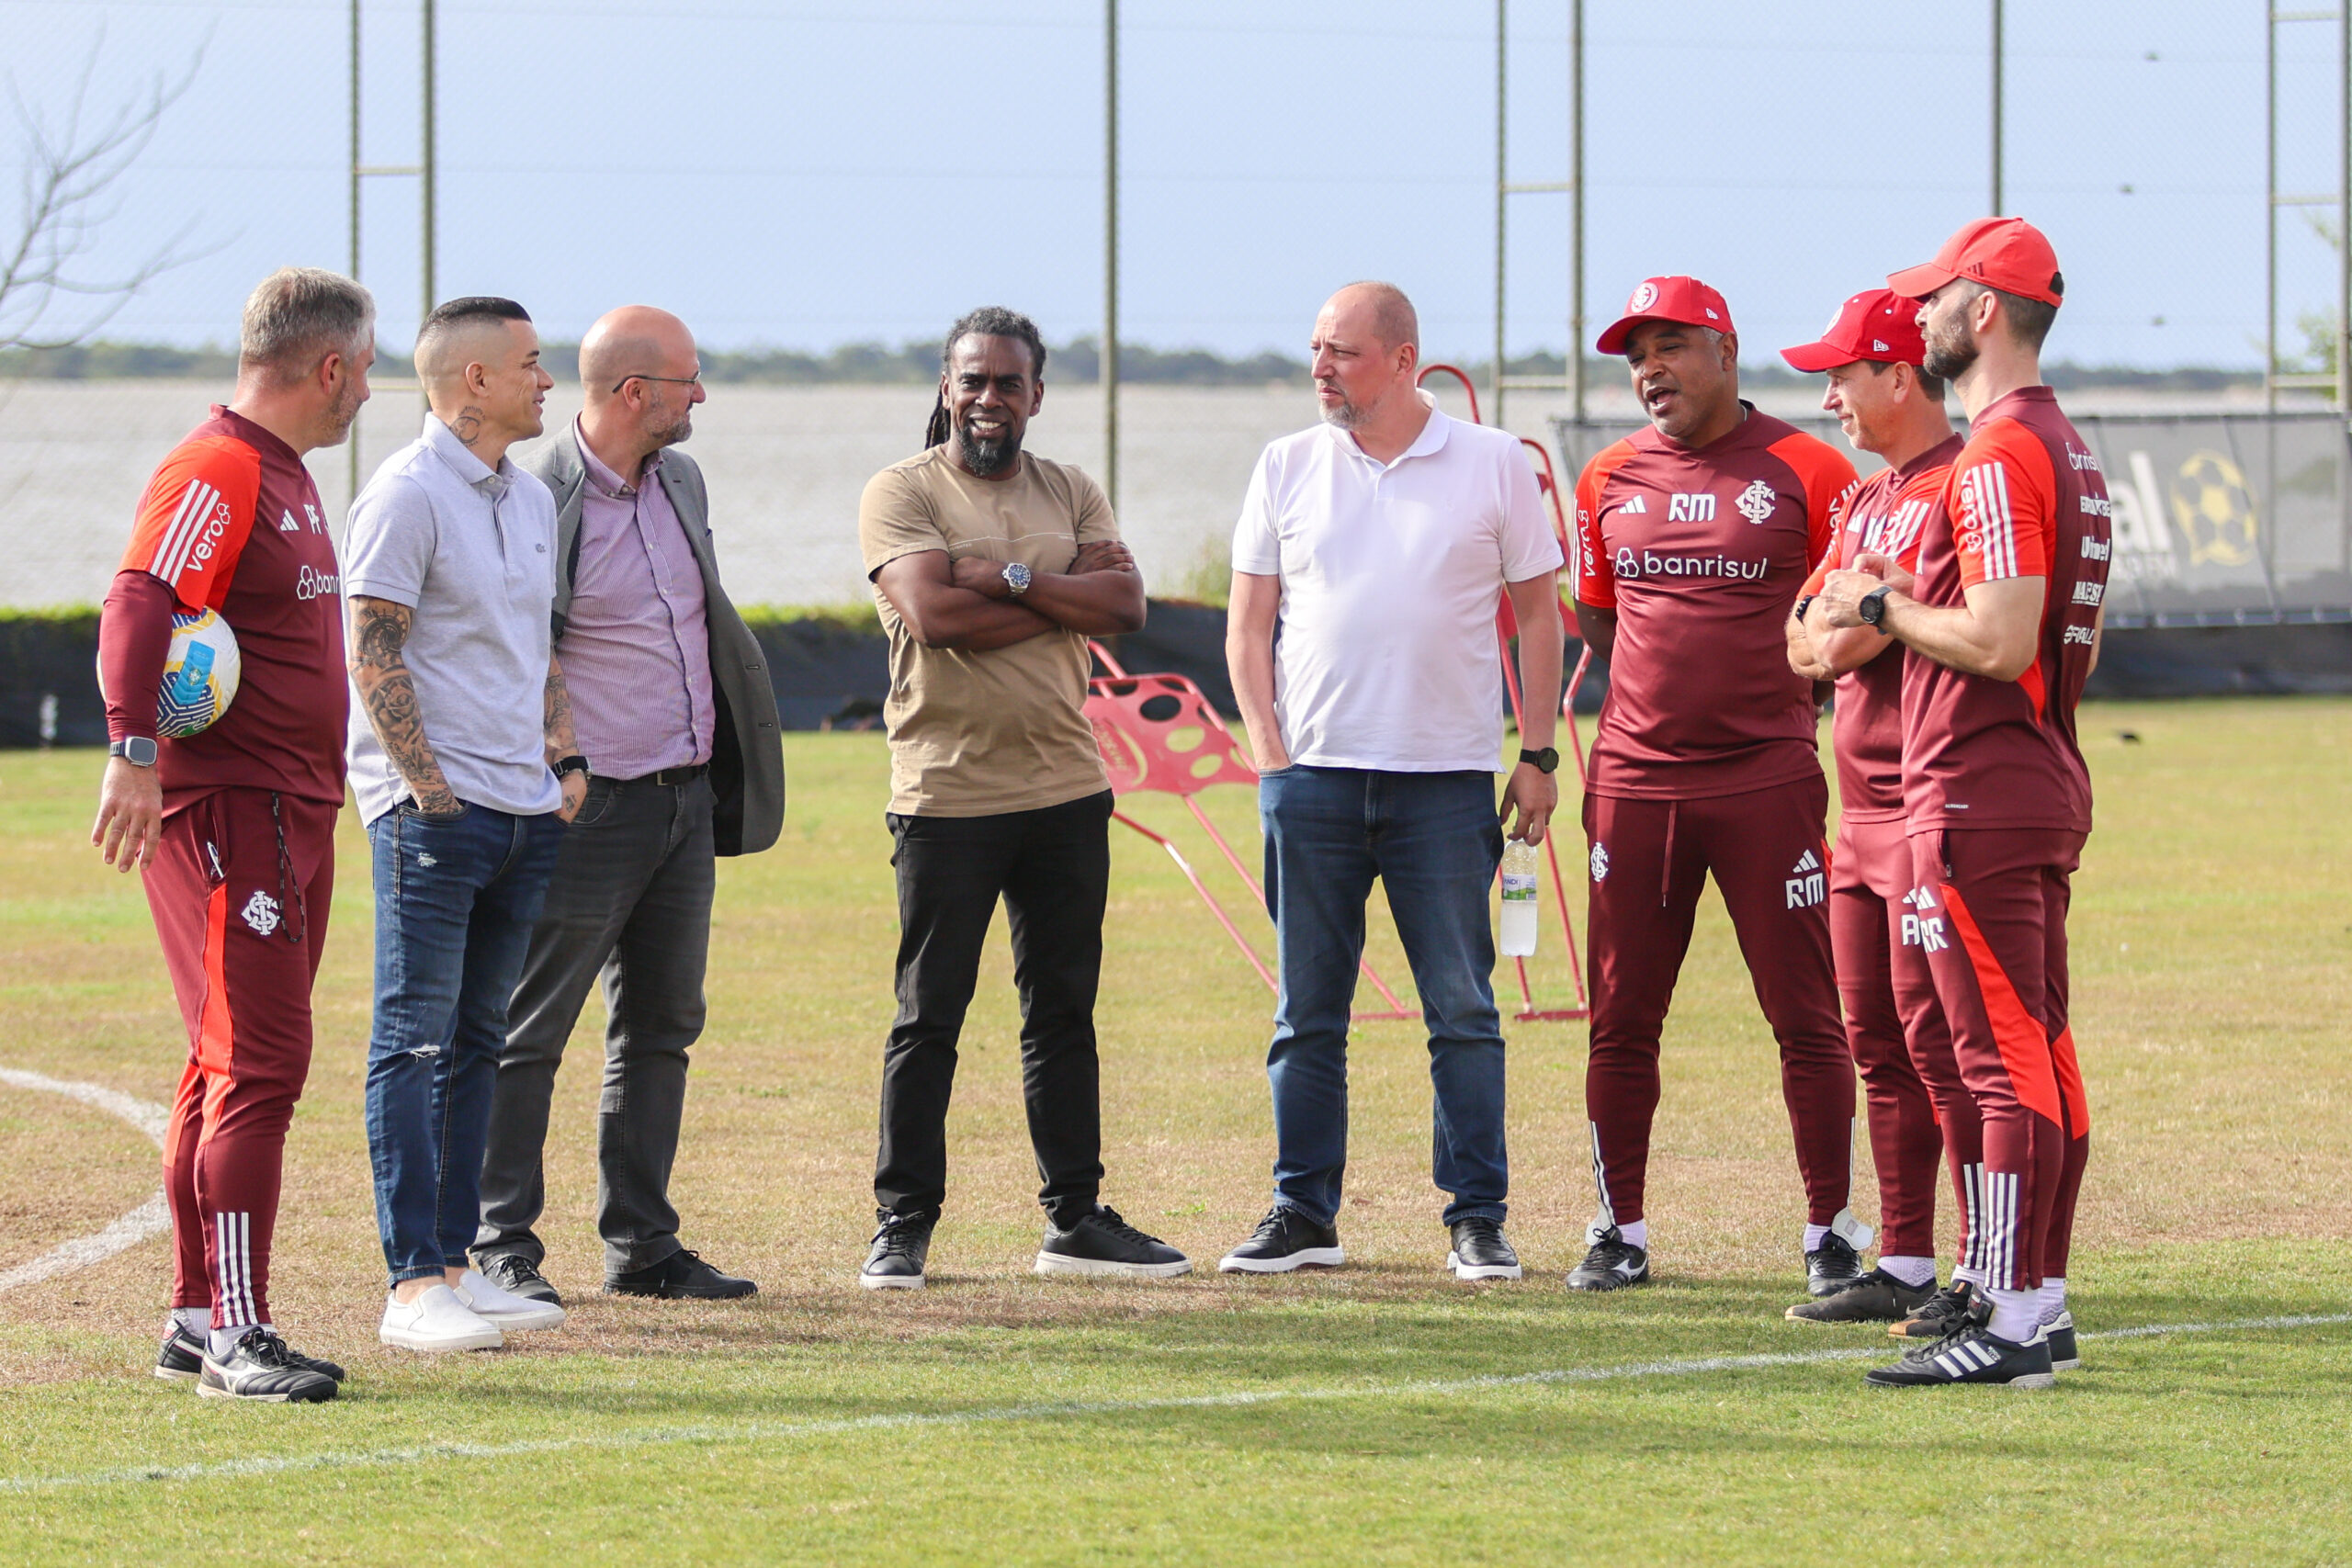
pixel 999 1418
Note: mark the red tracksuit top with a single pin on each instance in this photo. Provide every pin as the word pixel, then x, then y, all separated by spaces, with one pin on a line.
pixel 1700 553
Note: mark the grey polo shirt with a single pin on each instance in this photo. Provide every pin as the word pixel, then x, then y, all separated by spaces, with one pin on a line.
pixel 472 552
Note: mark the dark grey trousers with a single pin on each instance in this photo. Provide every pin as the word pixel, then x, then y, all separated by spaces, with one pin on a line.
pixel 630 901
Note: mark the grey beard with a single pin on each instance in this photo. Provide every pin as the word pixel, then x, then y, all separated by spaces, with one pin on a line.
pixel 987 458
pixel 1347 416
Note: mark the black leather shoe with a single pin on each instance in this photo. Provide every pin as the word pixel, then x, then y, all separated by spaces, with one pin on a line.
pixel 261 1368
pixel 1481 1252
pixel 1612 1263
pixel 1832 1267
pixel 1103 1243
pixel 181 1358
pixel 901 1244
pixel 1877 1297
pixel 680 1276
pixel 1950 1309
pixel 1285 1239
pixel 517 1276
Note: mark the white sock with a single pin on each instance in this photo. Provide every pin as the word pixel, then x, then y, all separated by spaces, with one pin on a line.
pixel 1913 1271
pixel 2051 1299
pixel 194 1320
pixel 2016 1315
pixel 1970 1276
pixel 223 1340
pixel 1813 1235
pixel 1636 1233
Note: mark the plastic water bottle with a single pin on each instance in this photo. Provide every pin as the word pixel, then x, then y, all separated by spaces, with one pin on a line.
pixel 1518 898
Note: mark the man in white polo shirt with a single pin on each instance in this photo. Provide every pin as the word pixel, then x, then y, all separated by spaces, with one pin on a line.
pixel 1380 543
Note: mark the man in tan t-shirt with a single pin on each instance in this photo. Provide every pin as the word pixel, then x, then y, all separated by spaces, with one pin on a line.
pixel 991 569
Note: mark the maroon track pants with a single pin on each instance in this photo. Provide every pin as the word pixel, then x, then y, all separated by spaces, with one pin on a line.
pixel 1910 1079
pixel 1992 908
pixel 240 890
pixel 1650 860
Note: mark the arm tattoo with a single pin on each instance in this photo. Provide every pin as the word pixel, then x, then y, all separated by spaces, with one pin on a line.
pixel 561 741
pixel 467 426
pixel 388 690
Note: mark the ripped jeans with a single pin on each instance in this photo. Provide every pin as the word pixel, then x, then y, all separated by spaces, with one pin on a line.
pixel 456 900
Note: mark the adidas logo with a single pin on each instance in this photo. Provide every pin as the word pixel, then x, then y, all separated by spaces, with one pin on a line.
pixel 1636 504
pixel 1923 931
pixel 286 524
pixel 1808 882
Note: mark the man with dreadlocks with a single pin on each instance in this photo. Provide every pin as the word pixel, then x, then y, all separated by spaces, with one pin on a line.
pixel 991 567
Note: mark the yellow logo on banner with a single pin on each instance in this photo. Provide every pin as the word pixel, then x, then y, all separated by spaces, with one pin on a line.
pixel 2214 507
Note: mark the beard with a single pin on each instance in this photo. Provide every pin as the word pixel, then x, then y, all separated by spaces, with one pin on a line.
pixel 342 413
pixel 674 428
pixel 987 458
pixel 1949 353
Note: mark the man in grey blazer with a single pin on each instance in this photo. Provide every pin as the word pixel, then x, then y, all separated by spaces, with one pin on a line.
pixel 675 712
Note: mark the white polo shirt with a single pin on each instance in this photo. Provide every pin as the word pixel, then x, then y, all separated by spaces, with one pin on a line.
pixel 1385 655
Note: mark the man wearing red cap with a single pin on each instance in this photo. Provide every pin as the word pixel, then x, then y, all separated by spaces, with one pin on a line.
pixel 1888 405
pixel 2002 620
pixel 1693 538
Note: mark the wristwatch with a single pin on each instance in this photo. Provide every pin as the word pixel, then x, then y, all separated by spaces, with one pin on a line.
pixel 1803 606
pixel 1547 760
pixel 1016 578
pixel 139 750
pixel 1872 609
pixel 575 764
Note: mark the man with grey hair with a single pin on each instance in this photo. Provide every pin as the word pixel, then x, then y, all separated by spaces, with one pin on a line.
pixel 1380 544
pixel 673 708
pixel 233 824
pixel 451 576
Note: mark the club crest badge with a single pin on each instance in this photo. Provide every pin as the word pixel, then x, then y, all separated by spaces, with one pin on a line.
pixel 1643 297
pixel 261 913
pixel 1600 862
pixel 1757 501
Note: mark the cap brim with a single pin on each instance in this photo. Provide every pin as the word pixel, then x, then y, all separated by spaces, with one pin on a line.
pixel 1613 340
pixel 1919 282
pixel 1816 358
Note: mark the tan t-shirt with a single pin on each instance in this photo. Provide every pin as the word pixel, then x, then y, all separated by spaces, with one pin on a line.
pixel 979 734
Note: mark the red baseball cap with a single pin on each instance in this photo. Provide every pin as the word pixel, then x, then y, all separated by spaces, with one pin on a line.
pixel 1684 299
pixel 2006 253
pixel 1877 323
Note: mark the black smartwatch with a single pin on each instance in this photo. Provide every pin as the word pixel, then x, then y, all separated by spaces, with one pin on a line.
pixel 139 750
pixel 1547 760
pixel 1803 606
pixel 575 764
pixel 1872 608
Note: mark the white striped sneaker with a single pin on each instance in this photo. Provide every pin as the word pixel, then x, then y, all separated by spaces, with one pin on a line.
pixel 494 1304
pixel 436 1320
pixel 1973 1354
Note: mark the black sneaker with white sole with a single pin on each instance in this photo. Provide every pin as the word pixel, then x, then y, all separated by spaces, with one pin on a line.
pixel 517 1276
pixel 1612 1264
pixel 1973 1354
pixel 262 1368
pixel 1831 1267
pixel 1480 1251
pixel 682 1276
pixel 900 1245
pixel 1877 1297
pixel 1285 1239
pixel 1101 1243
pixel 181 1358
pixel 1954 1307
pixel 2066 1356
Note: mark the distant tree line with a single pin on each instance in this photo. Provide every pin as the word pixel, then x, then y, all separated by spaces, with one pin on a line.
pixel 1078 361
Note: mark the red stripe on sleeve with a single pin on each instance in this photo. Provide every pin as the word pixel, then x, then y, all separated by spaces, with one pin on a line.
pixel 1596 579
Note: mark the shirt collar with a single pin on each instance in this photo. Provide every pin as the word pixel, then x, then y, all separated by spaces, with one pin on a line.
pixel 612 486
pixel 1431 438
pixel 254 434
pixel 477 474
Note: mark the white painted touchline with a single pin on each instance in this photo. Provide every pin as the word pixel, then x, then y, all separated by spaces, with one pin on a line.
pixel 779 1431
pixel 149 1219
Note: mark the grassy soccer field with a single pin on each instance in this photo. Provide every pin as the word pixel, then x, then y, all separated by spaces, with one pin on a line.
pixel 1381 1413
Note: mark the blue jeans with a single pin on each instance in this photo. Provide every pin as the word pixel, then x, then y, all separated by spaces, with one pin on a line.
pixel 1434 841
pixel 454 904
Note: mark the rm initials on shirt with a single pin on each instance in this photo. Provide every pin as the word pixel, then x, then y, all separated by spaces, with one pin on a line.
pixel 1809 883
pixel 1687 507
pixel 1924 931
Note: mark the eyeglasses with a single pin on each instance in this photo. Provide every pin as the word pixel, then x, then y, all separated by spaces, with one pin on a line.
pixel 693 380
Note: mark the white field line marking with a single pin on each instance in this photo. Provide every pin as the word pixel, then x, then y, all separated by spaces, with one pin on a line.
pixel 150 1218
pixel 782 1431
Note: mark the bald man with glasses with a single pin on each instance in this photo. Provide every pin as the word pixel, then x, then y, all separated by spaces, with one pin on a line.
pixel 676 715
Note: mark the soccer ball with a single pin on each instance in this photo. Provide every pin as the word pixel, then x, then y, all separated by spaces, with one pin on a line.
pixel 200 675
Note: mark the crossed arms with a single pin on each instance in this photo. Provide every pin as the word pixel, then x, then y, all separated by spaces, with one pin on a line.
pixel 966 603
pixel 379 630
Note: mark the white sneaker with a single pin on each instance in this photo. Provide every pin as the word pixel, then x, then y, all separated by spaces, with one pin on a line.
pixel 495 1304
pixel 436 1320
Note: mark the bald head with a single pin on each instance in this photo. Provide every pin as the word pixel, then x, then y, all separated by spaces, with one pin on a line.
pixel 636 340
pixel 1379 309
pixel 641 376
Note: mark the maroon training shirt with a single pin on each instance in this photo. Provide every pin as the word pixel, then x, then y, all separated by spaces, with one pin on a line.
pixel 1701 554
pixel 231 521
pixel 1886 514
pixel 2024 498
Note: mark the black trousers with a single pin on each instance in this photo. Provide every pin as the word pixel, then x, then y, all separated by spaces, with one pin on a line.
pixel 1052 868
pixel 630 903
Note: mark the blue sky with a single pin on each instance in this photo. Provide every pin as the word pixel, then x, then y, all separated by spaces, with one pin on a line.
pixel 805 174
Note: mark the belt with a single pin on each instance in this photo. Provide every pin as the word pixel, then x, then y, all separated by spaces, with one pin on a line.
pixel 669 775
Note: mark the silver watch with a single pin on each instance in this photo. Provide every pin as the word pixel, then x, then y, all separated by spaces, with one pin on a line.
pixel 1016 578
